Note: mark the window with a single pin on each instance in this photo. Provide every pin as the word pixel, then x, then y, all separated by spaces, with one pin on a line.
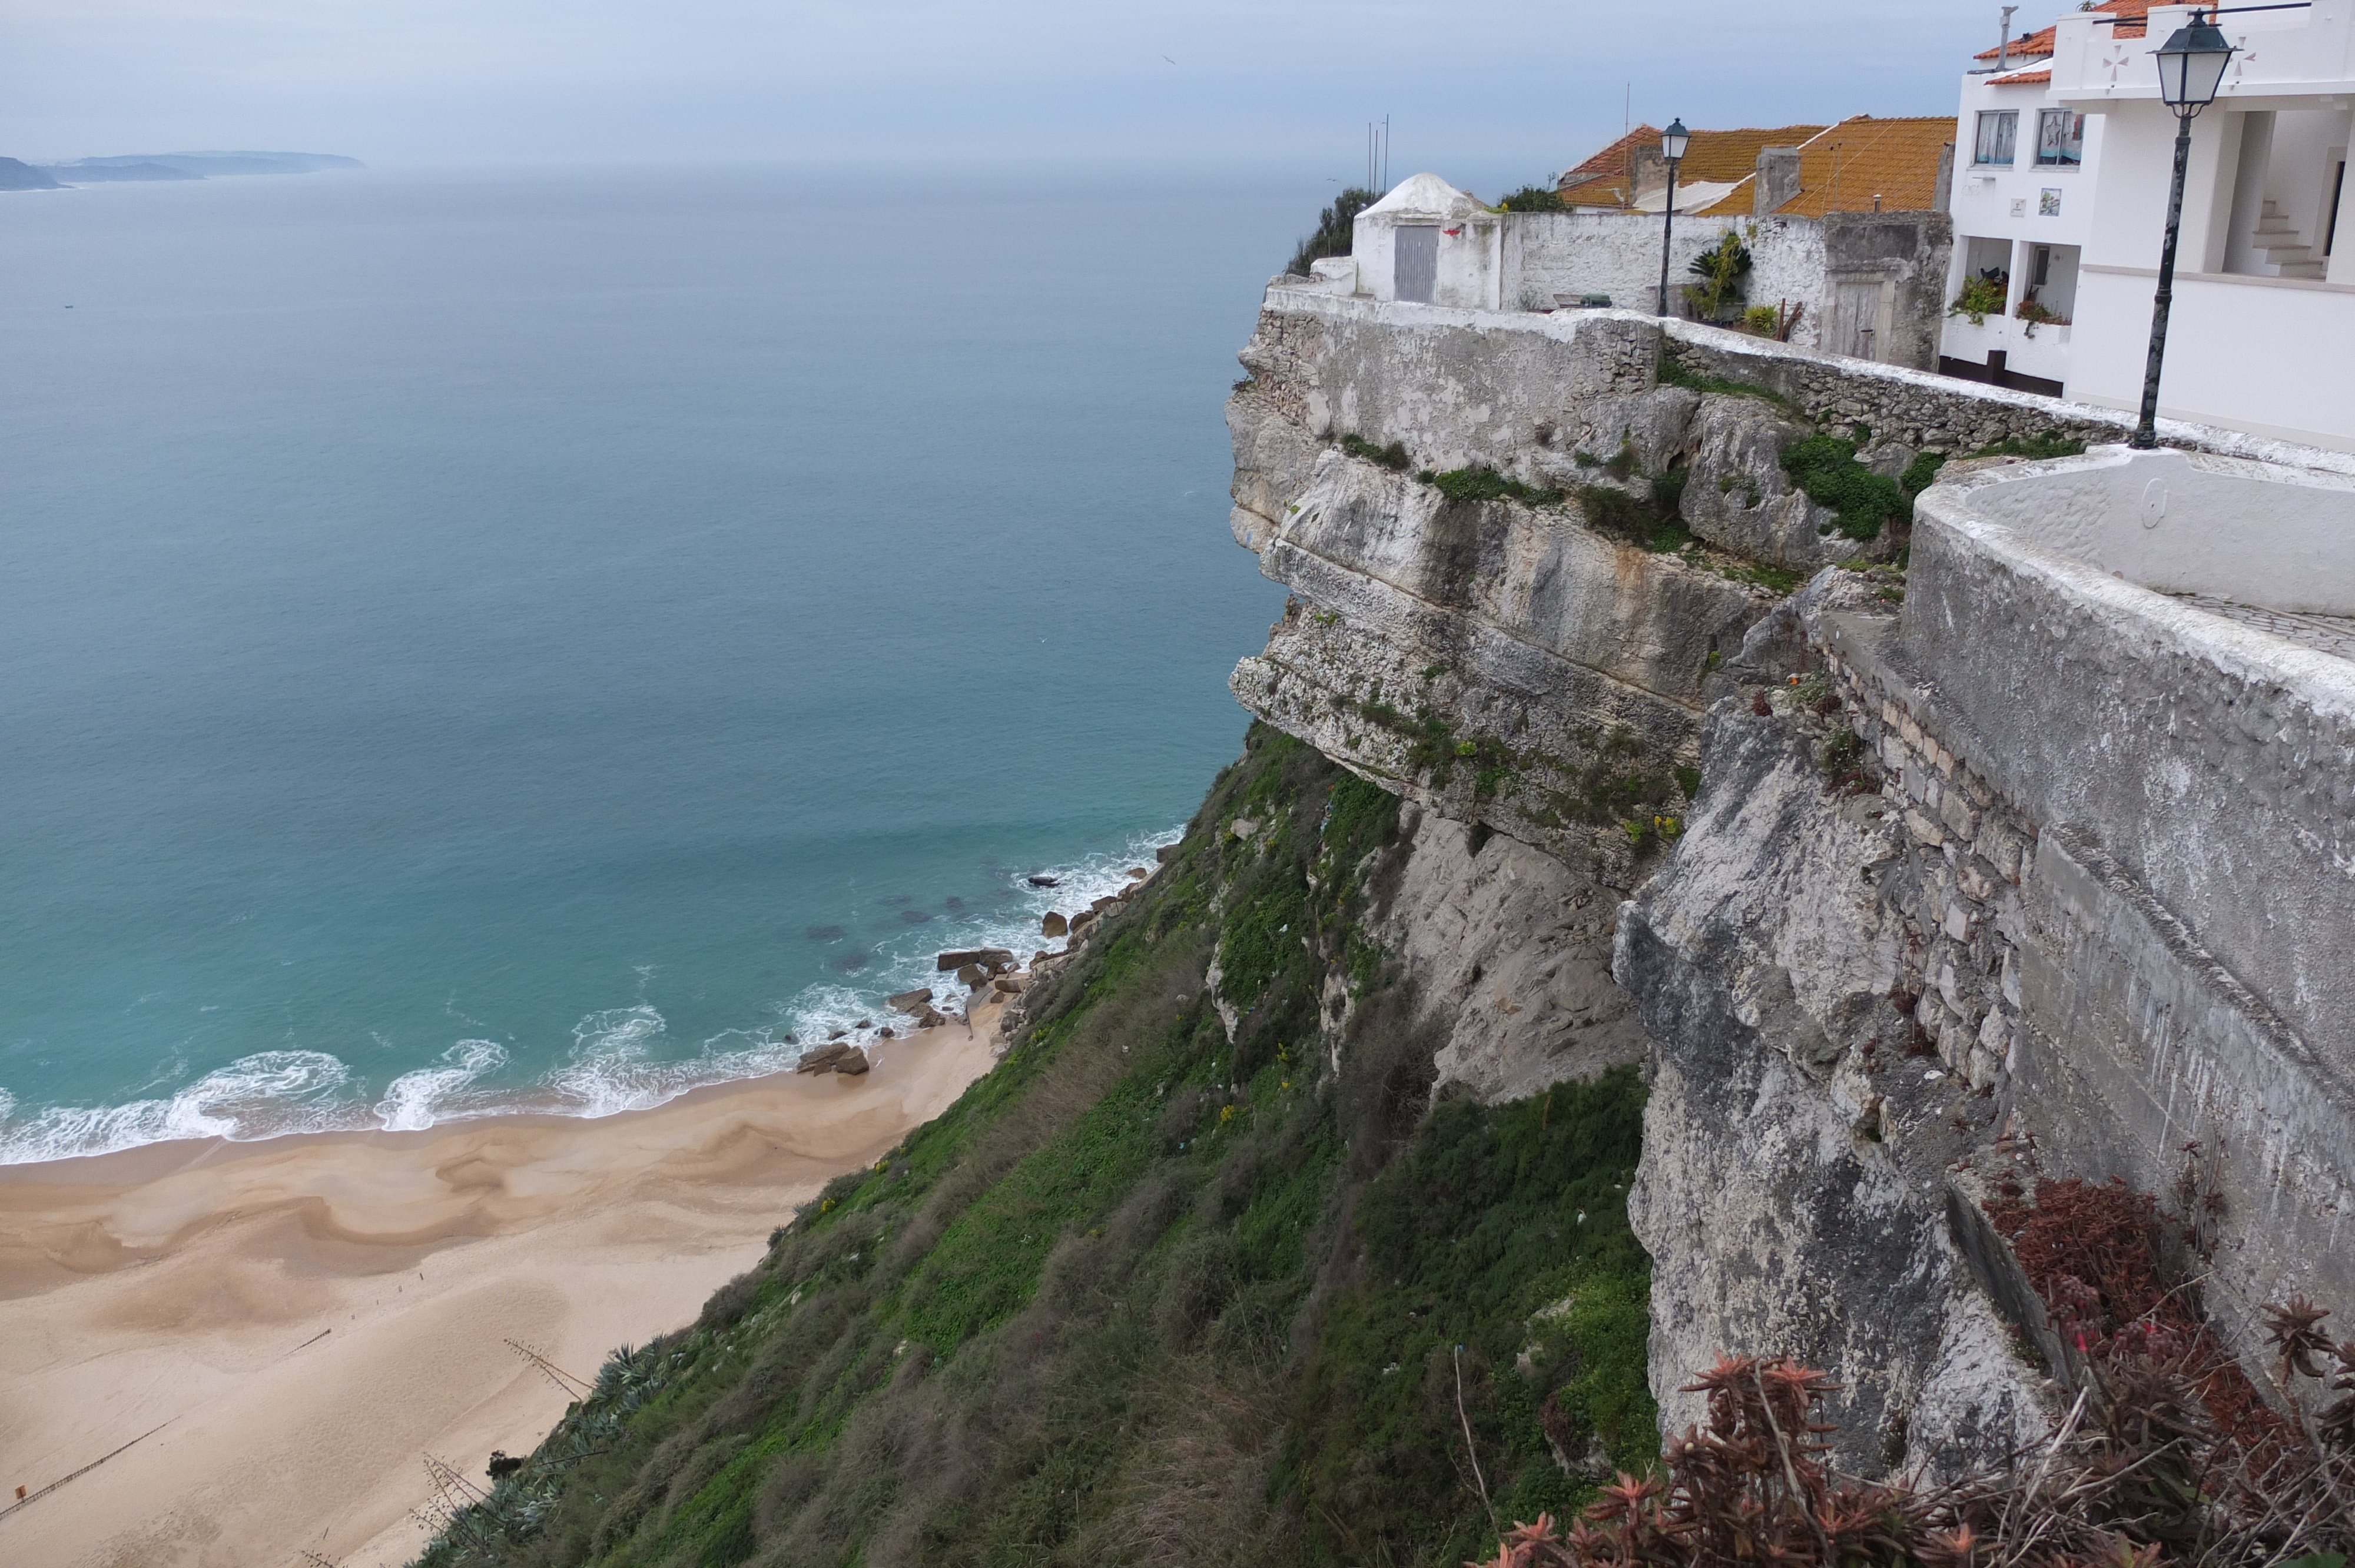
pixel 2060 139
pixel 1998 127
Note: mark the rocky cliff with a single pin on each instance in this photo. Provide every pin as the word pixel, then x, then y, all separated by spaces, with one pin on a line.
pixel 1542 572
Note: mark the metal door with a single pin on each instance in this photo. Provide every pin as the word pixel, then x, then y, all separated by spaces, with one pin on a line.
pixel 1414 260
pixel 1856 318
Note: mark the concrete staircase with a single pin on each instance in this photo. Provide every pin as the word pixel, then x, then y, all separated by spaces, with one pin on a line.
pixel 2284 249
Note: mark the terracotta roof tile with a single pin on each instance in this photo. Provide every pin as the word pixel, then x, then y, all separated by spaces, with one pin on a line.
pixel 1842 168
pixel 2037 45
pixel 2022 79
pixel 1607 178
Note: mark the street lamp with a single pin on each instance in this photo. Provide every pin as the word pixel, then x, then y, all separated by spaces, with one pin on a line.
pixel 2190 69
pixel 1673 142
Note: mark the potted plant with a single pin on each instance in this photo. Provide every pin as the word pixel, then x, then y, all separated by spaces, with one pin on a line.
pixel 1982 296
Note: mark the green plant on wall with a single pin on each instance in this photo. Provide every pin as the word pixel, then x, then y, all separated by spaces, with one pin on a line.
pixel 1721 270
pixel 1533 198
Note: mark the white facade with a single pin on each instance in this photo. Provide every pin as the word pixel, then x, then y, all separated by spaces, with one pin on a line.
pixel 2023 207
pixel 1429 243
pixel 2262 337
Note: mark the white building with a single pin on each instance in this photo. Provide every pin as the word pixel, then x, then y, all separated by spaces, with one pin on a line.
pixel 2263 334
pixel 2023 209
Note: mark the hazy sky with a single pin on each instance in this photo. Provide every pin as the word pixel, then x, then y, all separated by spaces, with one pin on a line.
pixel 1486 82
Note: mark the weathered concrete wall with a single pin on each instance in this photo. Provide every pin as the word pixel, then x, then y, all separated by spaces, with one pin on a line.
pixel 1552 257
pixel 2076 1002
pixel 1904 256
pixel 2215 763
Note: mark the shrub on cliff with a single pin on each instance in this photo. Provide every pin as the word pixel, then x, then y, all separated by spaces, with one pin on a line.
pixel 1824 467
pixel 2167 1456
pixel 1333 230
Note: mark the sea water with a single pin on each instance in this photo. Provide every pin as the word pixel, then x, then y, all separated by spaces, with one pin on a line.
pixel 492 641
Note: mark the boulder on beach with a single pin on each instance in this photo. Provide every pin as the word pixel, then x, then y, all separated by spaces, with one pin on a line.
pixel 885 1033
pixel 1109 901
pixel 916 1000
pixel 852 1063
pixel 1081 921
pixel 823 1057
pixel 972 976
pixel 956 959
pixel 1054 925
pixel 931 1018
pixel 1011 985
pixel 1139 874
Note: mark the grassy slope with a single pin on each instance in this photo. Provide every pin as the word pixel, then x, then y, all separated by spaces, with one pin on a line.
pixel 1144 1295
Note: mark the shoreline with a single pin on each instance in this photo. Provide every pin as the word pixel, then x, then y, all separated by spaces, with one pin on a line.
pixel 235 1331
pixel 756 1054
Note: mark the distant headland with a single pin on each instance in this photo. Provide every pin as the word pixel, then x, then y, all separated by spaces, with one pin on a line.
pixel 18 176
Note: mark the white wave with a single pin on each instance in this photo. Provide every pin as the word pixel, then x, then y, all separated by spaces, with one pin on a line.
pixel 263 1096
pixel 616 1063
pixel 416 1100
pixel 908 962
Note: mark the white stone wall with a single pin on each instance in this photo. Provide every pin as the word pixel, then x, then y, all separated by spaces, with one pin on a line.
pixel 1551 254
pixel 1786 262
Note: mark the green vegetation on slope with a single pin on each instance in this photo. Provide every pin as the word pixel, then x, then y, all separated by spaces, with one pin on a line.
pixel 1146 1294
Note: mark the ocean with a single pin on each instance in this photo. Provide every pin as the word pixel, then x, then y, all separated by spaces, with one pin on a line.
pixel 495 641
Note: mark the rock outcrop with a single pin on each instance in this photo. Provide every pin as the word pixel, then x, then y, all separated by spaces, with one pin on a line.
pixel 1541 572
pixel 1514 948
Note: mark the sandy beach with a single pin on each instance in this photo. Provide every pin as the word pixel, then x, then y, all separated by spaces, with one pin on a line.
pixel 281 1331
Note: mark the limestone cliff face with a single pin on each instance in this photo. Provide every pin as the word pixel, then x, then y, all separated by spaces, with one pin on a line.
pixel 1813 965
pixel 1500 662
pixel 1515 947
pixel 1793 1192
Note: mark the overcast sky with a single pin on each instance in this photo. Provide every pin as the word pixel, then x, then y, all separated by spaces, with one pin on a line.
pixel 1482 84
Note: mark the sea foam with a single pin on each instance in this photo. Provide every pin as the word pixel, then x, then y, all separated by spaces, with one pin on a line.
pixel 620 1058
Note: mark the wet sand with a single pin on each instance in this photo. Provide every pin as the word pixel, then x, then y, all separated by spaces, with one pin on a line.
pixel 281 1331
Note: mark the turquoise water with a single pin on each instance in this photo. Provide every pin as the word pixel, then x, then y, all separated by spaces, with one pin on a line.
pixel 496 641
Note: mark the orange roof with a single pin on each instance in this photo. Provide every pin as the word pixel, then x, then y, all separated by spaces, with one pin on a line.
pixel 1843 168
pixel 2037 45
pixel 1607 179
pixel 2022 79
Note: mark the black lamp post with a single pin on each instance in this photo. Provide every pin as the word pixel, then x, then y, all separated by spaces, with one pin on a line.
pixel 1673 142
pixel 2190 69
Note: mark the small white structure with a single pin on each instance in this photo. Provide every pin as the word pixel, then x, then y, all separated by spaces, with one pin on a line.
pixel 2023 208
pixel 1429 243
pixel 2262 331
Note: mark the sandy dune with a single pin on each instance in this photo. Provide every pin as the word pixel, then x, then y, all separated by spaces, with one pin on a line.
pixel 281 1331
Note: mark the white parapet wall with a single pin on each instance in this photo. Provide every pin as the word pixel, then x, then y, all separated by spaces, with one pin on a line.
pixel 2186 523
